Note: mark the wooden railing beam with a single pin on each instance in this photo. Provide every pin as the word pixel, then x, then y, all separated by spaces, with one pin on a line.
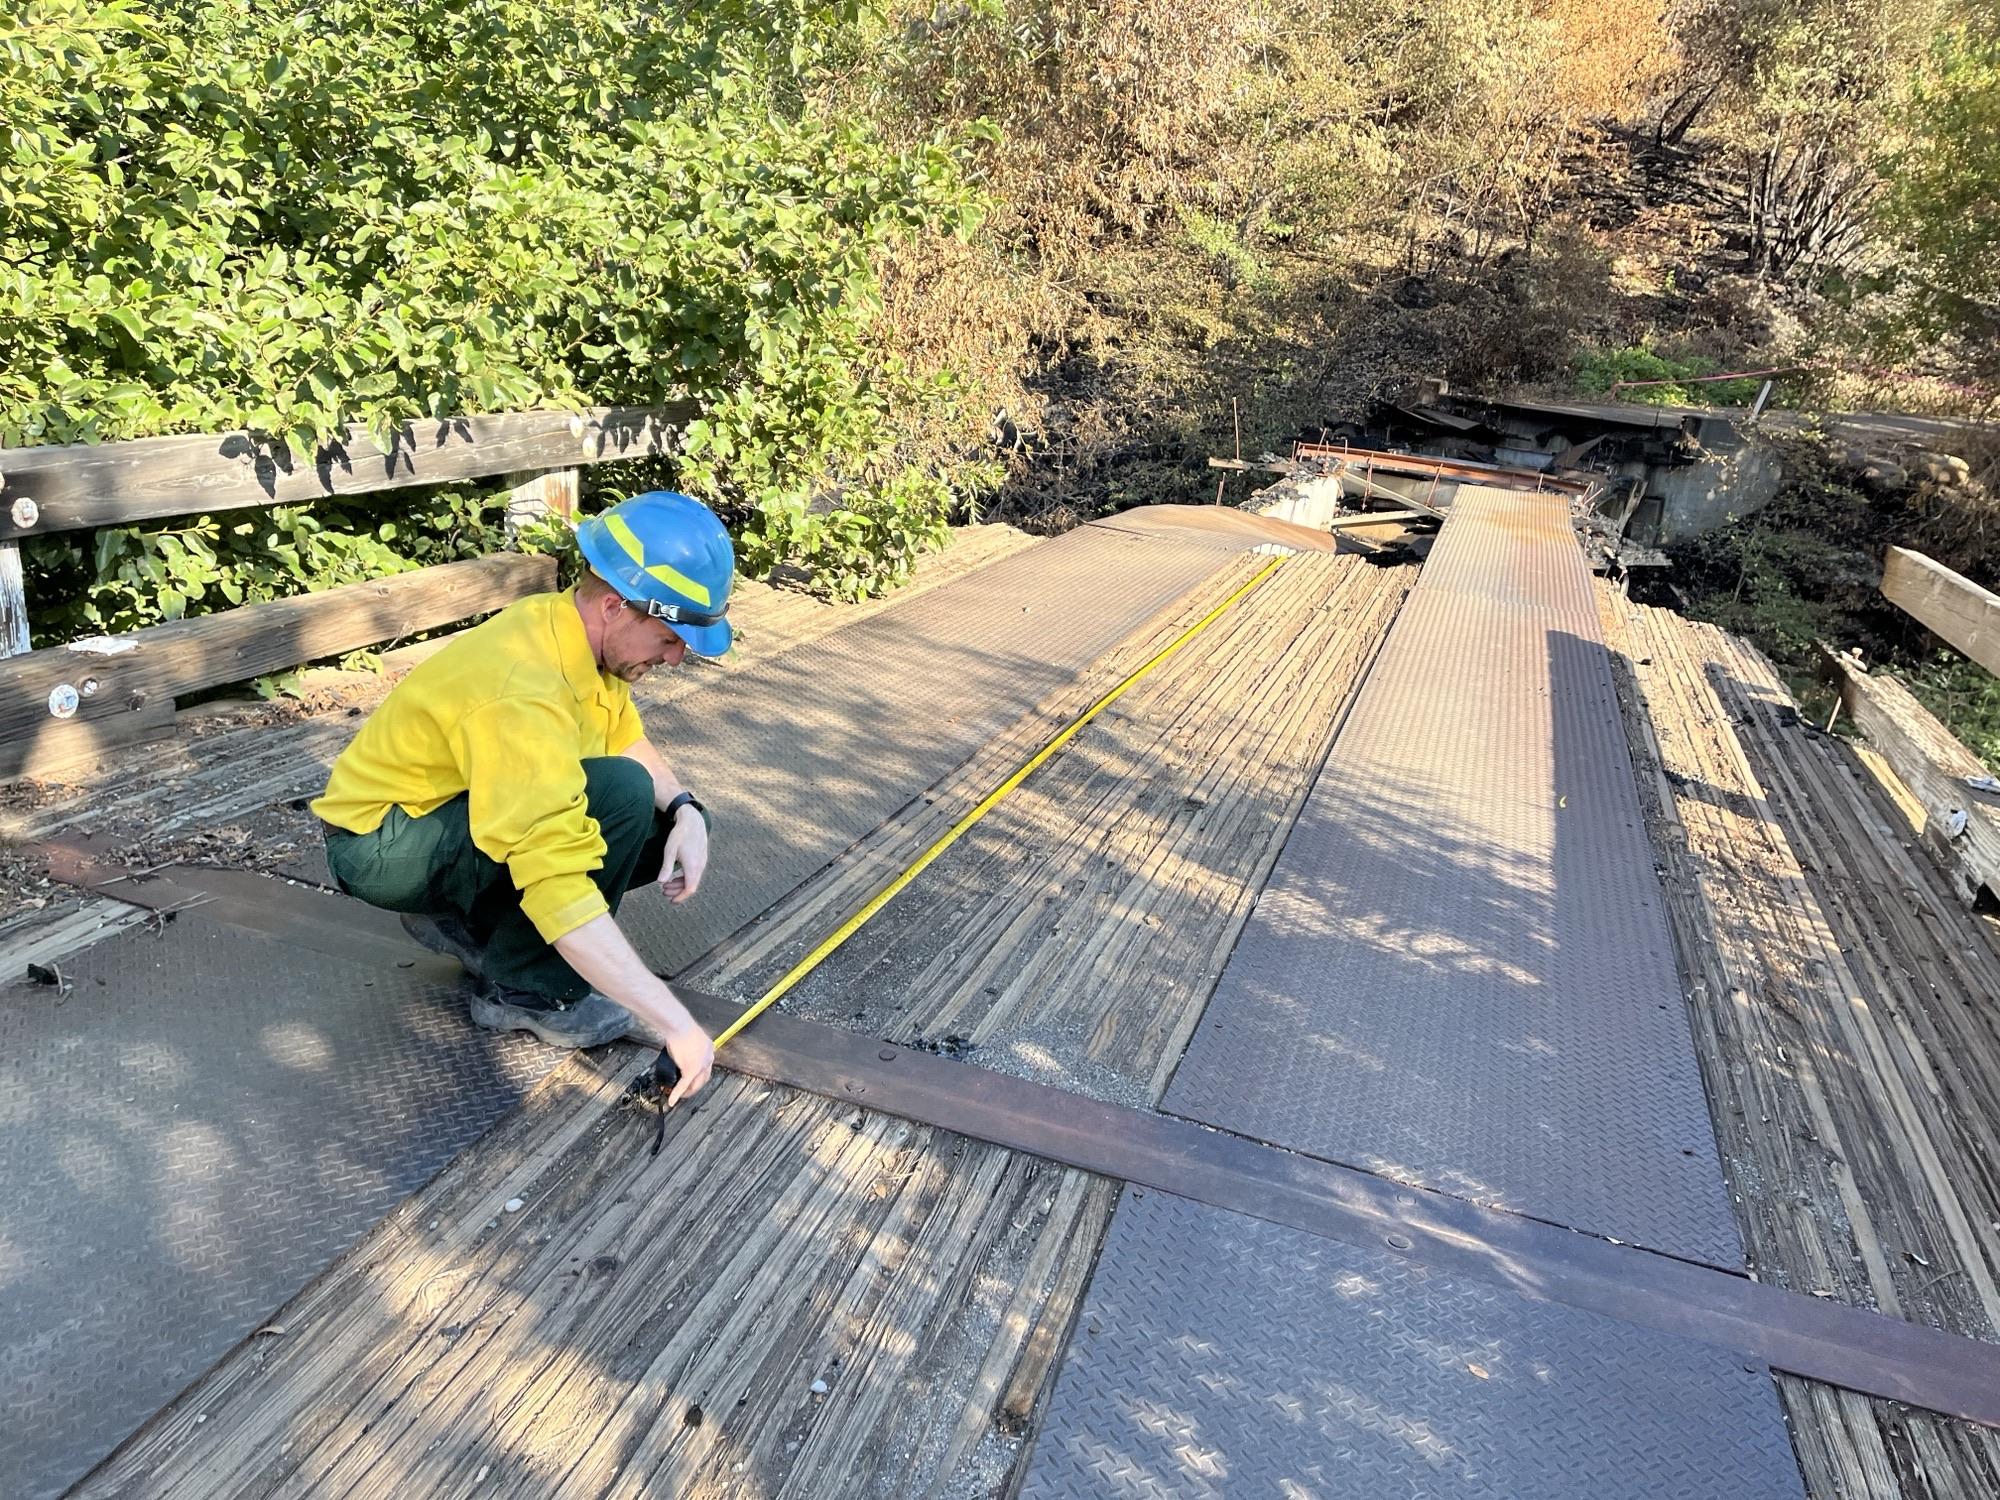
pixel 74 486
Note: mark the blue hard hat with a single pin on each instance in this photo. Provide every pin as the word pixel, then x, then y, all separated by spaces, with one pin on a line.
pixel 668 553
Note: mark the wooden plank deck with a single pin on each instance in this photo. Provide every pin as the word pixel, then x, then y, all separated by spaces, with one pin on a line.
pixel 1845 1007
pixel 662 1326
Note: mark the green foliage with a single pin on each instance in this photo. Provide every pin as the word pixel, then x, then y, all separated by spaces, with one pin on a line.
pixel 119 578
pixel 1965 696
pixel 1943 200
pixel 1223 243
pixel 286 219
pixel 1598 370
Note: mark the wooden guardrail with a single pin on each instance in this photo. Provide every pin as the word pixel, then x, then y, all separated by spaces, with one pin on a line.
pixel 1961 814
pixel 1954 608
pixel 68 704
pixel 1961 823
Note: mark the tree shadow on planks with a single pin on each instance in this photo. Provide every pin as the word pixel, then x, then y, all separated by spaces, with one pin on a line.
pixel 603 1339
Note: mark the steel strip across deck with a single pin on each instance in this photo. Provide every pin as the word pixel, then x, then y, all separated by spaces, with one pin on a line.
pixel 1676 1299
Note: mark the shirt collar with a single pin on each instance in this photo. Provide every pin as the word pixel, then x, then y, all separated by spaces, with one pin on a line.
pixel 579 666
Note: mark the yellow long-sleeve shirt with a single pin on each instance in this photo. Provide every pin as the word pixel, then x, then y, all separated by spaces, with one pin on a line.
pixel 508 712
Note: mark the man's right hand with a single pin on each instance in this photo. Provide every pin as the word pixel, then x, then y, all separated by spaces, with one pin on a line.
pixel 694 1054
pixel 601 954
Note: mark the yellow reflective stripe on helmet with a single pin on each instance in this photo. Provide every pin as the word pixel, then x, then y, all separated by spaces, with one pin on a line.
pixel 623 535
pixel 673 578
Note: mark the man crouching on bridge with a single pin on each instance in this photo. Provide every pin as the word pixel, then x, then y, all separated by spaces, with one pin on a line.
pixel 504 796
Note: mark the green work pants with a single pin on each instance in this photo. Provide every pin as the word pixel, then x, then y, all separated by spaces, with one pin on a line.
pixel 430 865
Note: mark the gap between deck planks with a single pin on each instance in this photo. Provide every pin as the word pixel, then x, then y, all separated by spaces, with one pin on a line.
pixel 1852 1063
pixel 787 1233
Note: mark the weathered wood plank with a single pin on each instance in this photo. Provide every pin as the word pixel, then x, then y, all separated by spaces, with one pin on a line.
pixel 1954 608
pixel 1030 1377
pixel 1962 826
pixel 71 748
pixel 77 485
pixel 1838 1005
pixel 136 675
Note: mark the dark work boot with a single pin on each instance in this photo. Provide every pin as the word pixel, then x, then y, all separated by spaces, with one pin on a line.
pixel 589 1022
pixel 446 934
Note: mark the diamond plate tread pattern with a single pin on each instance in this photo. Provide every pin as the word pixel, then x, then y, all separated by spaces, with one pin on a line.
pixel 212 1117
pixel 1490 696
pixel 1218 1355
pixel 841 732
pixel 1513 548
pixel 204 1123
pixel 1459 973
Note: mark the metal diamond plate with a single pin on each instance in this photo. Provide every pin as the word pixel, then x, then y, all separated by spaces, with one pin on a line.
pixel 1219 1355
pixel 210 1118
pixel 830 739
pixel 1460 972
pixel 1513 547
pixel 203 1123
pixel 1495 702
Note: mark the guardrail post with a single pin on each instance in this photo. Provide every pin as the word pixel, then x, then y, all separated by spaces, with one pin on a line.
pixel 13 602
pixel 13 592
pixel 539 495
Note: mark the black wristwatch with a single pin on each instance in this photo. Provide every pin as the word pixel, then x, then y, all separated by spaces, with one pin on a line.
pixel 684 799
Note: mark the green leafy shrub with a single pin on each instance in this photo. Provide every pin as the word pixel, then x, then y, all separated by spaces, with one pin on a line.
pixel 284 220
pixel 1599 370
pixel 1939 200
pixel 122 577
pixel 1220 241
pixel 1965 696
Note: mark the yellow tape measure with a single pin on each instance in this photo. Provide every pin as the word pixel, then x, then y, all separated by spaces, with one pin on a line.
pixel 992 799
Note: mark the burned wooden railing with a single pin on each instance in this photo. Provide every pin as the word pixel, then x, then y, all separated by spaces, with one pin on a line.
pixel 67 704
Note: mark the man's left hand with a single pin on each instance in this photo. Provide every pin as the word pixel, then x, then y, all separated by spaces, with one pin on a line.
pixel 687 848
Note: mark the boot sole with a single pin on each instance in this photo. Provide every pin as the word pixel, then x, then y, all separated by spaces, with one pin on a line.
pixel 547 1026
